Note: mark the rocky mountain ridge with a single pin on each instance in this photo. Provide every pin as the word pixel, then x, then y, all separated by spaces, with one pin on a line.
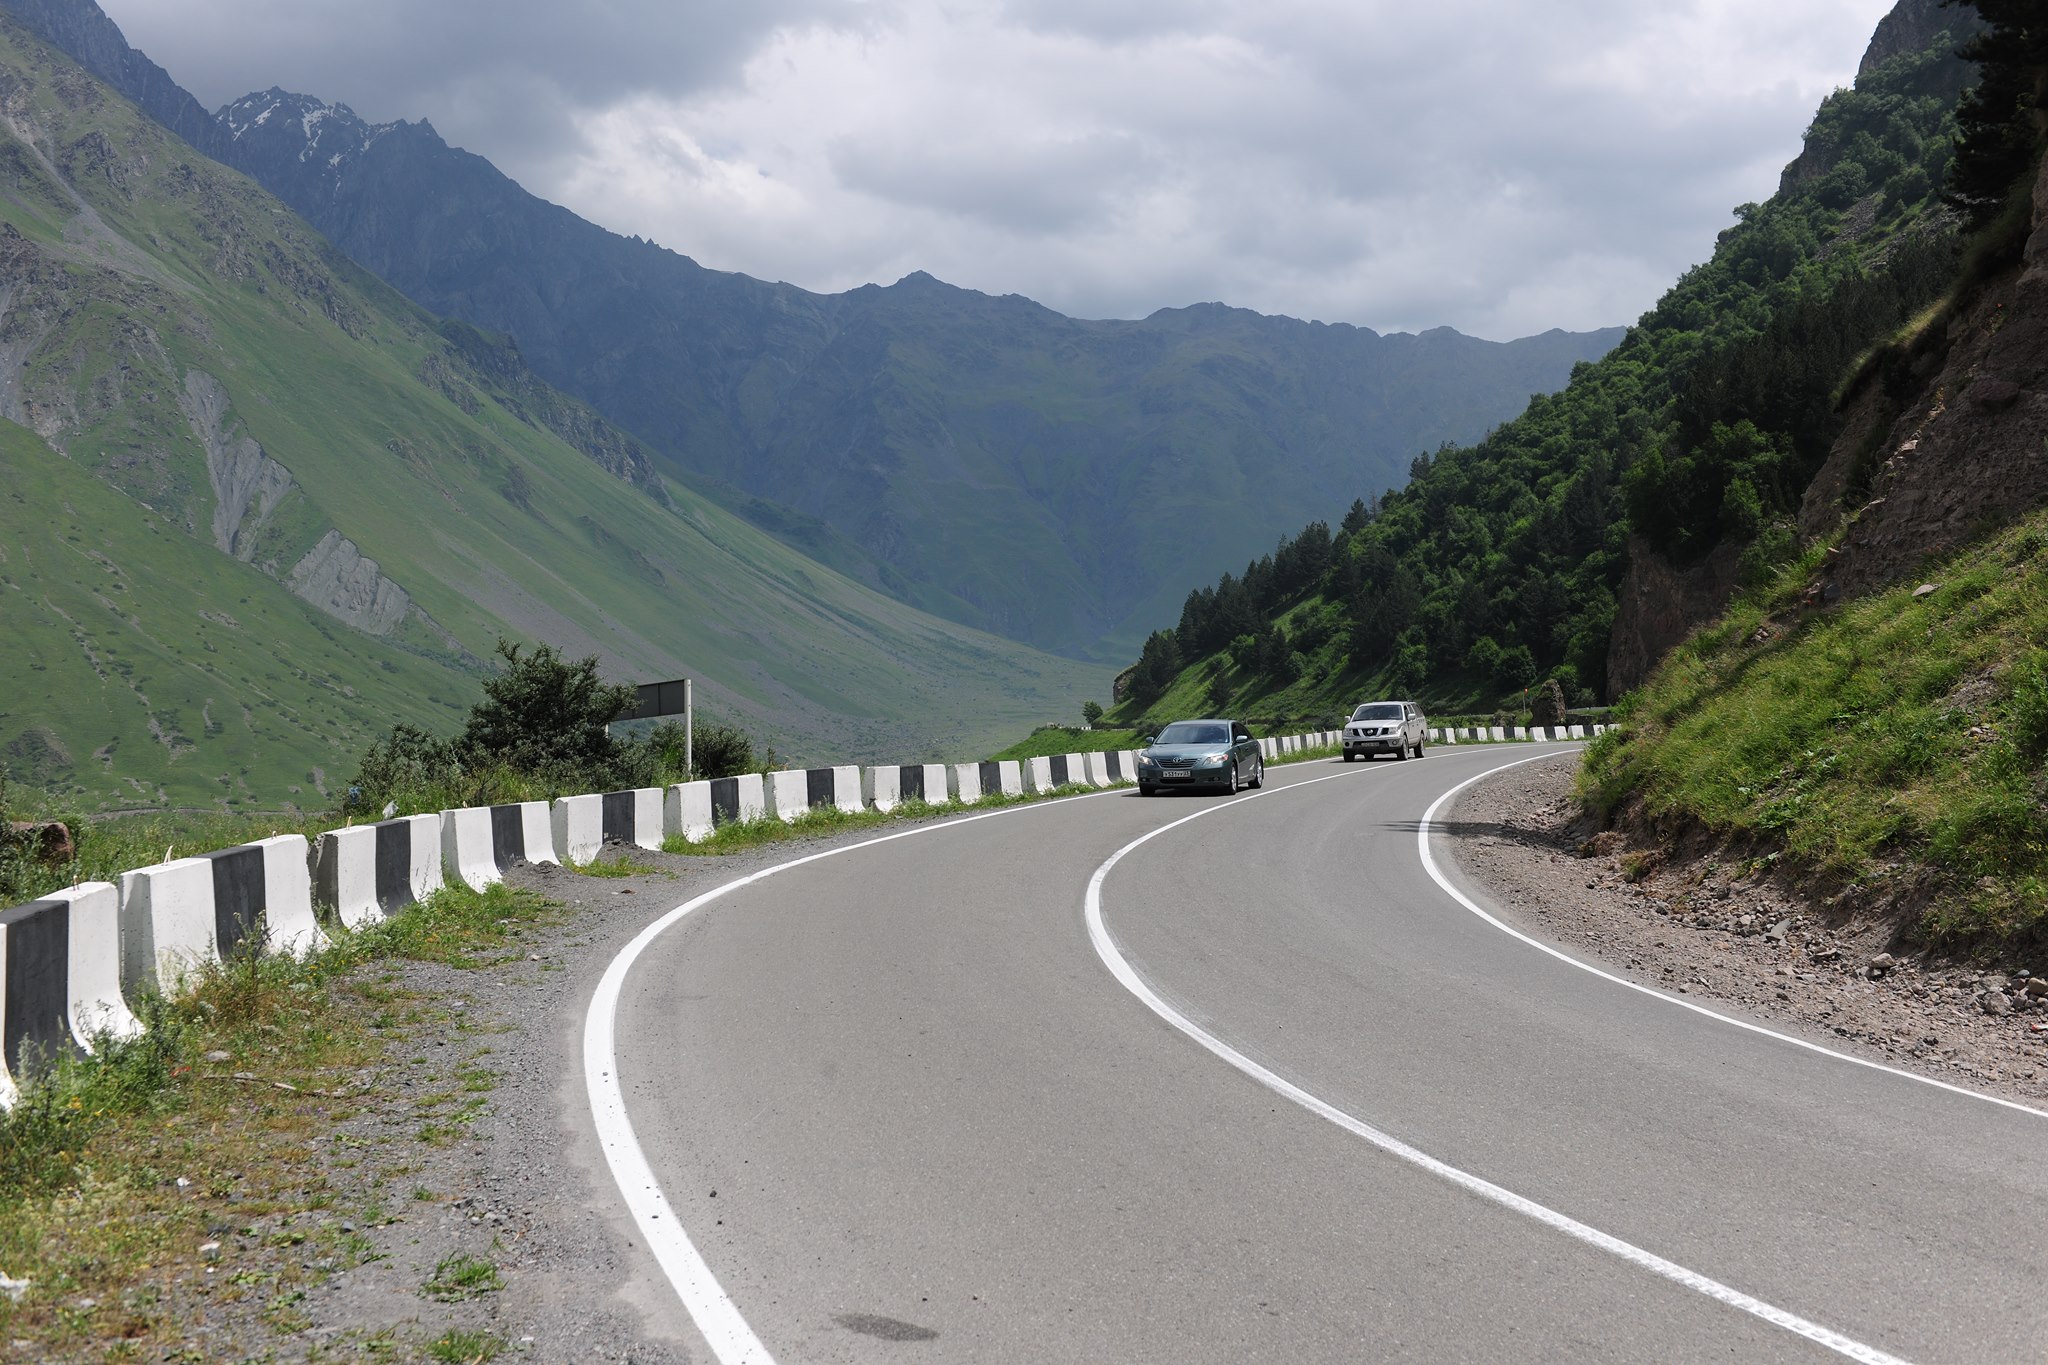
pixel 981 457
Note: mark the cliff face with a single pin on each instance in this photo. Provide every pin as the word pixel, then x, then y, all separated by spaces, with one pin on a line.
pixel 1970 449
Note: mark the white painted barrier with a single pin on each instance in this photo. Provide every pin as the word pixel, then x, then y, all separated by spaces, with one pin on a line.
pixel 1037 774
pixel 467 847
pixel 1095 770
pixel 788 794
pixel 1497 734
pixel 167 929
pixel 963 782
pixel 577 827
pixel 686 811
pixel 882 787
pixel 1127 765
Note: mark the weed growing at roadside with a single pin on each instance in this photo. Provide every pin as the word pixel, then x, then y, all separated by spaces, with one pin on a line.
pixel 461 1276
pixel 614 867
pixel 465 1348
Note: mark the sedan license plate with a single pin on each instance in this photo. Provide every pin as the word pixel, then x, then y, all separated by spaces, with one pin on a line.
pixel 1176 775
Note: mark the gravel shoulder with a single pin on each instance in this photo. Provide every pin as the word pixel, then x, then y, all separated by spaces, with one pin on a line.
pixel 1723 931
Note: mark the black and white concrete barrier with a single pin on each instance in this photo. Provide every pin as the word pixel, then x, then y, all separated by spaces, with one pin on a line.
pixel 1003 777
pixel 366 873
pixel 1095 770
pixel 738 800
pixel 582 825
pixel 60 980
pixel 888 786
pixel 479 842
pixel 176 917
pixel 798 791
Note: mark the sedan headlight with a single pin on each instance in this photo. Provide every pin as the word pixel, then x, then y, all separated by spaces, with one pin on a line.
pixel 1147 761
pixel 1212 760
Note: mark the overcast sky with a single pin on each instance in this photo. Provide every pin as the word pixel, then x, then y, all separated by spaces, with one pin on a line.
pixel 1499 166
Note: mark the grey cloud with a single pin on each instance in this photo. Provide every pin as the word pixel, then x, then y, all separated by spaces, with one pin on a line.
pixel 1028 186
pixel 1500 167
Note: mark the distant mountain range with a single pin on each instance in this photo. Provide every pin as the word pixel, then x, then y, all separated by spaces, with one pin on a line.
pixel 1054 480
pixel 256 506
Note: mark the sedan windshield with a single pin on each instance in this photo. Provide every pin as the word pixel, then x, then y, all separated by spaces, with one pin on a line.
pixel 1385 710
pixel 1193 732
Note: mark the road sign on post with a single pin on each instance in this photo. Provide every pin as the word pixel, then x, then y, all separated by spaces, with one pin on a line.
pixel 659 700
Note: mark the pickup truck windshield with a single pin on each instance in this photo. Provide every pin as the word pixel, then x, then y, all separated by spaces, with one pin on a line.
pixel 1385 710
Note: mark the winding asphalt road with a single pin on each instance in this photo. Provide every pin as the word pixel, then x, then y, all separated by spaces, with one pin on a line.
pixel 906 1111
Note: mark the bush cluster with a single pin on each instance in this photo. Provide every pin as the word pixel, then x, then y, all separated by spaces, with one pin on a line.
pixel 540 731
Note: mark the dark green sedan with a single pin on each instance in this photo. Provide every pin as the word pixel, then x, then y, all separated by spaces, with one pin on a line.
pixel 1201 753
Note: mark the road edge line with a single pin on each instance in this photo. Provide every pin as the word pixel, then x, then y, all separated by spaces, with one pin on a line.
pixel 1429 865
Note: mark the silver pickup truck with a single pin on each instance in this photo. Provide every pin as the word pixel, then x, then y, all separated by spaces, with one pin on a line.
pixel 1384 727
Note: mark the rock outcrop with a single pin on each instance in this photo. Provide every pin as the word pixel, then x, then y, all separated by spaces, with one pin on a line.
pixel 1969 452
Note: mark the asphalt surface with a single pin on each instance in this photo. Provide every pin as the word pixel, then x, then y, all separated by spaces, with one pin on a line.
pixel 938 1128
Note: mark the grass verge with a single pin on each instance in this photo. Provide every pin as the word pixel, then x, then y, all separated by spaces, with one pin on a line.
pixel 164 1183
pixel 1891 747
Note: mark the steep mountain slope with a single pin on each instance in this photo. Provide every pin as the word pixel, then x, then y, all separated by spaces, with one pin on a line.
pixel 1584 538
pixel 982 457
pixel 260 506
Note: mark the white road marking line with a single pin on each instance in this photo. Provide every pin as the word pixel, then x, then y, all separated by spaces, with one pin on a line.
pixel 725 1330
pixel 1429 865
pixel 1121 969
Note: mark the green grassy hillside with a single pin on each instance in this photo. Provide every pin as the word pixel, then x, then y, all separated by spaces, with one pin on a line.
pixel 1891 747
pixel 217 422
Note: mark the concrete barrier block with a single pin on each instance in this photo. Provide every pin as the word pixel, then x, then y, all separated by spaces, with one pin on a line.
pixel 167 929
pixel 345 875
pixel 1576 731
pixel 576 825
pixel 788 793
pixel 926 782
pixel 1095 770
pixel 1127 765
pixel 1497 733
pixel 35 943
pixel 686 811
pixel 366 873
pixel 94 961
pixel 633 817
pixel 1002 778
pixel 266 889
pixel 737 800
pixel 1037 774
pixel 537 832
pixel 60 980
pixel 963 782
pixel 846 793
pixel 468 846
pixel 882 786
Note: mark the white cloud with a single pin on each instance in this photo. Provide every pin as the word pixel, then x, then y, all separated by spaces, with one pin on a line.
pixel 1499 167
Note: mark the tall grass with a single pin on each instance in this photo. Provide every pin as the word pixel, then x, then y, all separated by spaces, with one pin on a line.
pixel 1895 740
